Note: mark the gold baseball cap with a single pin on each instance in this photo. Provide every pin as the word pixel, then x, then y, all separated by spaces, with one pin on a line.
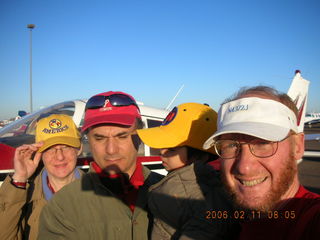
pixel 188 124
pixel 57 129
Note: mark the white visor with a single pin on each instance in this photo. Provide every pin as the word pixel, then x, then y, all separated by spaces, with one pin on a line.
pixel 262 118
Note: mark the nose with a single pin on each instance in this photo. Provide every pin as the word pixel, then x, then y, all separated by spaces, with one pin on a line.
pixel 59 154
pixel 111 146
pixel 245 161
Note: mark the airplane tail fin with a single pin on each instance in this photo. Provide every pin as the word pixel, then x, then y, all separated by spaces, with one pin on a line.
pixel 298 92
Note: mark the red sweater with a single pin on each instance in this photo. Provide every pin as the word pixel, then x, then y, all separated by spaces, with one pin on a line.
pixel 119 184
pixel 298 219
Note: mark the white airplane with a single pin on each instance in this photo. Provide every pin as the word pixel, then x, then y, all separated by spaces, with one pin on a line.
pixel 298 91
pixel 22 131
pixel 312 116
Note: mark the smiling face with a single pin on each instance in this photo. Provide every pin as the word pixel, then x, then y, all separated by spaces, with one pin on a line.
pixel 114 148
pixel 261 183
pixel 60 160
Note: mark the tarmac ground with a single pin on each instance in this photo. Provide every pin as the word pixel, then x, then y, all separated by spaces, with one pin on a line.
pixel 309 174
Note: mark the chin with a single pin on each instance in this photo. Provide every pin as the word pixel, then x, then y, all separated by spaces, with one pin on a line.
pixel 256 205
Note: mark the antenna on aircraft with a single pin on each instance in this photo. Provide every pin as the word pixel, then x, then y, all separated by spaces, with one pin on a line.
pixel 167 108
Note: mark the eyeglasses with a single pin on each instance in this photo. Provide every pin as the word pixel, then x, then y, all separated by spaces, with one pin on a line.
pixel 228 149
pixel 53 150
pixel 116 100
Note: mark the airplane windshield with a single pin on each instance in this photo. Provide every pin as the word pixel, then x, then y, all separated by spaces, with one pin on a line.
pixel 22 131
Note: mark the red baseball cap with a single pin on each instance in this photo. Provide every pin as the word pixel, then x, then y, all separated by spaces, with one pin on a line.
pixel 111 107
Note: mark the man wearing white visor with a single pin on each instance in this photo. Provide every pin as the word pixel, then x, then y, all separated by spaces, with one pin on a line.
pixel 259 144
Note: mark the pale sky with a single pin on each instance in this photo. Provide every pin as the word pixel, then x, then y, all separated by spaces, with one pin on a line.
pixel 150 48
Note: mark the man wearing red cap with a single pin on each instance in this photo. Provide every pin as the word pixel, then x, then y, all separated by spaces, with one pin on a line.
pixel 110 201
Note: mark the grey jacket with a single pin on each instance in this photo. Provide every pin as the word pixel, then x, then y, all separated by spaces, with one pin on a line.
pixel 181 204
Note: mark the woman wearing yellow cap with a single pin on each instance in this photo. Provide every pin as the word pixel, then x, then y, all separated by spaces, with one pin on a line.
pixel 183 203
pixel 24 193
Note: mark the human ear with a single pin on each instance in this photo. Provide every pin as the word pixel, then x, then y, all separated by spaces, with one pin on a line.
pixel 136 141
pixel 298 149
pixel 80 150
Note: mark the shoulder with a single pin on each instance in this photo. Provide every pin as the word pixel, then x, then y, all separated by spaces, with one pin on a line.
pixel 304 193
pixel 73 196
pixel 73 192
pixel 69 190
pixel 180 182
pixel 305 199
pixel 306 205
pixel 151 177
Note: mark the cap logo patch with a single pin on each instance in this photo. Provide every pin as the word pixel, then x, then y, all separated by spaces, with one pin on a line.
pixel 238 108
pixel 56 127
pixel 106 106
pixel 106 102
pixel 170 116
pixel 55 123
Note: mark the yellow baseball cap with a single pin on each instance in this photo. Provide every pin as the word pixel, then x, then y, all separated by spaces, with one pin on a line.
pixel 57 129
pixel 188 124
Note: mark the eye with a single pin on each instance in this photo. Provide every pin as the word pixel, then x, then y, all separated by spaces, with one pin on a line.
pixel 66 148
pixel 98 138
pixel 123 136
pixel 50 150
pixel 228 144
pixel 232 145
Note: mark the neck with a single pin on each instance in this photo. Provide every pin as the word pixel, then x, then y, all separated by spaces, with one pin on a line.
pixel 58 183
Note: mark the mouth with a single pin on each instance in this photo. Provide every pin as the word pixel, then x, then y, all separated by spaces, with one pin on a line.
pixel 252 183
pixel 112 160
pixel 61 165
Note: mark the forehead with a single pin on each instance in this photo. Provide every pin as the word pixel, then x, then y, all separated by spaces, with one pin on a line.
pixel 237 136
pixel 111 128
pixel 59 146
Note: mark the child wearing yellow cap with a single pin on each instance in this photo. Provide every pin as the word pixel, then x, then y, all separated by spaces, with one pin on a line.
pixel 182 203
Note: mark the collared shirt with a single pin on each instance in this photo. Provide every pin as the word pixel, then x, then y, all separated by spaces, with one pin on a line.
pixel 46 186
pixel 119 184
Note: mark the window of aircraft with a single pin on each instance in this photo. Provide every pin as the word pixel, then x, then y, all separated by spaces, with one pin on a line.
pixel 153 123
pixel 22 131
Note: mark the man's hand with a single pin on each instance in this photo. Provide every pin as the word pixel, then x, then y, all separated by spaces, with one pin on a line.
pixel 26 160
